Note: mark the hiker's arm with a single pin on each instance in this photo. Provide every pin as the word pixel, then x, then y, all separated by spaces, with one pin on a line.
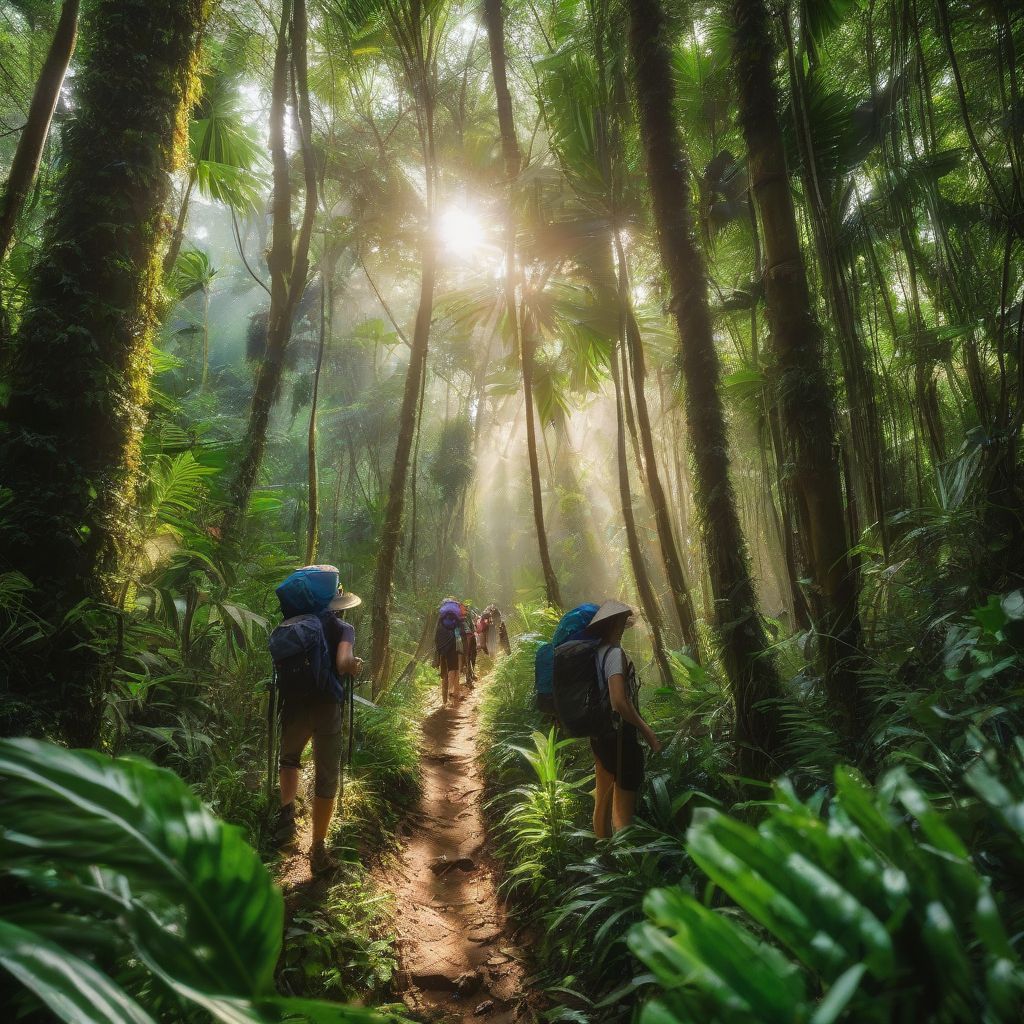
pixel 623 707
pixel 347 663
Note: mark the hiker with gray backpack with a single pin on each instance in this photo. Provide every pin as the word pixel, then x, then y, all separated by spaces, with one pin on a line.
pixel 595 694
pixel 314 670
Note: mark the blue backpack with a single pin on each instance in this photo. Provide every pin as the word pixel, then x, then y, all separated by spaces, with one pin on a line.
pixel 308 590
pixel 302 659
pixel 569 625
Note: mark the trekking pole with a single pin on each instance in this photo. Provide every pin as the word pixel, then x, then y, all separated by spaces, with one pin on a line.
pixel 348 682
pixel 271 733
pixel 351 716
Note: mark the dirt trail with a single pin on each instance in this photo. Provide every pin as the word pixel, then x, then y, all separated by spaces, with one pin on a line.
pixel 456 955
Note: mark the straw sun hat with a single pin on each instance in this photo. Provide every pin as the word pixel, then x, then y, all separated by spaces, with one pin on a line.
pixel 343 600
pixel 609 610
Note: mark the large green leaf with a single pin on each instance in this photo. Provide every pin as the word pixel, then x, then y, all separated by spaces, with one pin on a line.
pixel 72 988
pixel 196 895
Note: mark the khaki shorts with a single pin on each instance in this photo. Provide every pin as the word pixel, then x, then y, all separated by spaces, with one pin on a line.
pixel 324 723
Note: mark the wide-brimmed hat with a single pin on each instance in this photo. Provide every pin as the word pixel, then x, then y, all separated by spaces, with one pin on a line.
pixel 343 600
pixel 609 610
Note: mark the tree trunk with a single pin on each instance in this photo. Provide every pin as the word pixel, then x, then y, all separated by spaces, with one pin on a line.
pixel 644 589
pixel 178 234
pixel 288 264
pixel 674 572
pixel 79 382
pixel 391 532
pixel 804 397
pixel 29 152
pixel 526 349
pixel 419 71
pixel 745 655
pixel 522 334
pixel 313 496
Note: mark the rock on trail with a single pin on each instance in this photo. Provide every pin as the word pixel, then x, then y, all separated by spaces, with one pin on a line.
pixel 456 958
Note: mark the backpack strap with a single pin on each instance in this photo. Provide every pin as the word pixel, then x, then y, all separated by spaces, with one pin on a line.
pixel 603 666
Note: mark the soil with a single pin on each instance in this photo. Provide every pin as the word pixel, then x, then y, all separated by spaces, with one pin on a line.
pixel 457 957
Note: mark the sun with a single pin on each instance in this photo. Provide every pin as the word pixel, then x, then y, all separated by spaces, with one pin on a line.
pixel 461 231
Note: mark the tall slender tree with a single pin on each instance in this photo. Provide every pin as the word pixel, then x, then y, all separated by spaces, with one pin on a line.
pixel 29 151
pixel 524 340
pixel 745 656
pixel 416 31
pixel 804 396
pixel 71 432
pixel 288 260
pixel 644 588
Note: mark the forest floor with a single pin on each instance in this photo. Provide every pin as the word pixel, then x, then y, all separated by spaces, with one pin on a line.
pixel 458 960
pixel 456 951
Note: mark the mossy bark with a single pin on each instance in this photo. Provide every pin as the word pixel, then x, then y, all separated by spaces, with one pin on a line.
pixel 71 432
pixel 745 655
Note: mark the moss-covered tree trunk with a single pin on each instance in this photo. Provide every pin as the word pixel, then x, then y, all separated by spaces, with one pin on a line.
pixel 29 152
pixel 71 432
pixel 744 646
pixel 804 394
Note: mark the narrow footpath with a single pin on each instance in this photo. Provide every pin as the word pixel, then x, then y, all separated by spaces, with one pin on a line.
pixel 457 959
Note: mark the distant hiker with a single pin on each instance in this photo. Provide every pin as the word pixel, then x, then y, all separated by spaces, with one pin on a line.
pixel 469 638
pixel 491 632
pixel 595 695
pixel 313 652
pixel 449 647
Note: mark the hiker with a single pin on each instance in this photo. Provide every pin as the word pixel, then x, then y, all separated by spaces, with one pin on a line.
pixel 618 756
pixel 313 697
pixel 491 631
pixel 449 647
pixel 469 640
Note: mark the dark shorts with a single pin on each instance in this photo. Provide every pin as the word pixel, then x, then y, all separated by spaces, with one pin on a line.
pixel 629 772
pixel 324 723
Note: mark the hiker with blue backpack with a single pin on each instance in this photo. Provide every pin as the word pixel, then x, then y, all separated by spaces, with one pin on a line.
pixel 586 679
pixel 313 651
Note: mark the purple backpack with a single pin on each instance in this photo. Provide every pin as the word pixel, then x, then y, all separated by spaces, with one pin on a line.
pixel 450 614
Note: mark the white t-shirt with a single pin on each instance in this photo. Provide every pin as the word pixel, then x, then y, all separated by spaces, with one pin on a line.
pixel 617 663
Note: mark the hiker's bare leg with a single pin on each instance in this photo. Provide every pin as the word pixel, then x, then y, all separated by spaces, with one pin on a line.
pixel 604 786
pixel 453 685
pixel 289 783
pixel 623 808
pixel 323 809
pixel 444 685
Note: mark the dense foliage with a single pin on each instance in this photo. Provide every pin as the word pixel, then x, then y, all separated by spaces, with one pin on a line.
pixel 713 306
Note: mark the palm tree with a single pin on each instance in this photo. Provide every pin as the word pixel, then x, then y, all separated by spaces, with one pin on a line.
pixel 804 397
pixel 744 646
pixel 524 339
pixel 80 376
pixel 194 274
pixel 25 164
pixel 225 157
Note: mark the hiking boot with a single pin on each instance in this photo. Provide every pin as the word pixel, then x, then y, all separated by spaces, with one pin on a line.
pixel 284 826
pixel 321 860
